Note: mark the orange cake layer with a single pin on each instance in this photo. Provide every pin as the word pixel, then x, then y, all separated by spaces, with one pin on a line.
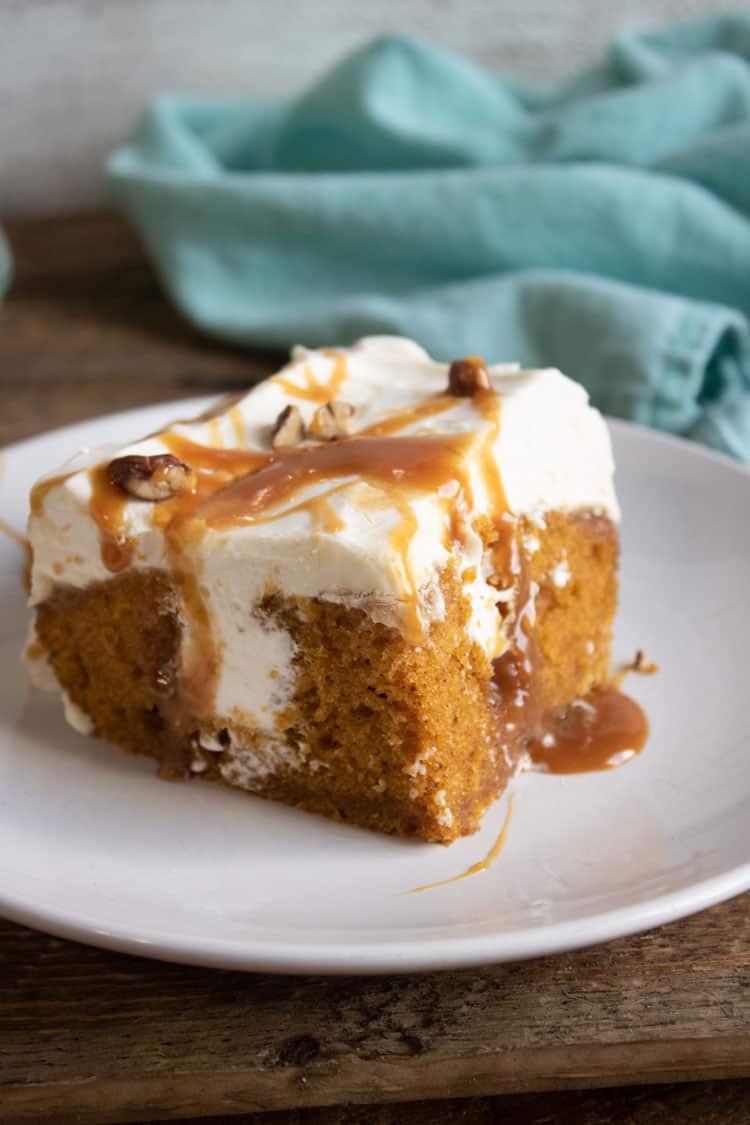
pixel 405 738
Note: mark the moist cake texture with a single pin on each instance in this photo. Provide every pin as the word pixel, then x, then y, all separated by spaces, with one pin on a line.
pixel 362 588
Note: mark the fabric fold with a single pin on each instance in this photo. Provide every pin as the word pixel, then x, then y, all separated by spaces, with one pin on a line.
pixel 601 225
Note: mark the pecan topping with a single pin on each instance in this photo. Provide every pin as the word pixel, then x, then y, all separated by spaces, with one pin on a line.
pixel 288 429
pixel 334 420
pixel 467 376
pixel 151 478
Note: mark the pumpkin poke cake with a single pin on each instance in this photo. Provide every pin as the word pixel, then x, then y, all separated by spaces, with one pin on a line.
pixel 364 588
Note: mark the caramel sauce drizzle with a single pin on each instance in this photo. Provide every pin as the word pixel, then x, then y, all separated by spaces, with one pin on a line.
pixel 199 657
pixel 604 730
pixel 25 545
pixel 238 424
pixel 482 864
pixel 214 432
pixel 324 515
pixel 11 533
pixel 107 507
pixel 412 465
pixel 397 420
pixel 312 390
pixel 40 490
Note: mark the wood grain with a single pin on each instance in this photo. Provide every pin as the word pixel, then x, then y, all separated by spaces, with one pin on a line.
pixel 85 305
pixel 91 1036
pixel 115 1038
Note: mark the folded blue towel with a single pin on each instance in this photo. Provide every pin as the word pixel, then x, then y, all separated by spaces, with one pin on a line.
pixel 601 225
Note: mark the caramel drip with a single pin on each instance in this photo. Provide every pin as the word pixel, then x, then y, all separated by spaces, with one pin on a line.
pixel 214 432
pixel 40 490
pixel 398 420
pixel 400 540
pixel 482 864
pixel 312 390
pixel 25 545
pixel 16 536
pixel 600 732
pixel 488 405
pixel 238 424
pixel 324 515
pixel 107 507
pixel 215 467
pixel 199 657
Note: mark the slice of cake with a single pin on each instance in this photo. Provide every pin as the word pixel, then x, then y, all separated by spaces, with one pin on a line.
pixel 362 588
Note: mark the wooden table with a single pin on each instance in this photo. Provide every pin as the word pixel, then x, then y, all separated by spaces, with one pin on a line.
pixel 89 1036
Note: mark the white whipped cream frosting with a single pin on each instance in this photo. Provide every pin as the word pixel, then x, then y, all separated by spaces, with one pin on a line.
pixel 553 452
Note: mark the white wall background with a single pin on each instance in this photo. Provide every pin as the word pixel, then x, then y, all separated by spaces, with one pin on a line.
pixel 74 73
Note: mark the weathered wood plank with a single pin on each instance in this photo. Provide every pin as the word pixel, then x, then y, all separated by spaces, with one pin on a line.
pixel 114 1038
pixel 85 304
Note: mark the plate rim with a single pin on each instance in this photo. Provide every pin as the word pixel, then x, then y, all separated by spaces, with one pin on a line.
pixel 378 958
pixel 395 955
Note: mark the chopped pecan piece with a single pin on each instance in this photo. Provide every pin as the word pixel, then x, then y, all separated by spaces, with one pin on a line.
pixel 467 376
pixel 159 477
pixel 643 665
pixel 288 429
pixel 334 420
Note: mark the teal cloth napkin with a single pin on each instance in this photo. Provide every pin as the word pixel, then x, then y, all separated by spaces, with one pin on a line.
pixel 601 225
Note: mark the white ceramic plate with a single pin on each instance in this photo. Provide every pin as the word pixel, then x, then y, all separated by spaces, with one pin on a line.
pixel 94 847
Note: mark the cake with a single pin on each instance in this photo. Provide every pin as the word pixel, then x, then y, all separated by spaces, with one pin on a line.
pixel 363 588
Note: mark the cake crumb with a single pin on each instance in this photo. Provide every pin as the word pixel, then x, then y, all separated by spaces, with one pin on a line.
pixel 643 665
pixel 445 816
